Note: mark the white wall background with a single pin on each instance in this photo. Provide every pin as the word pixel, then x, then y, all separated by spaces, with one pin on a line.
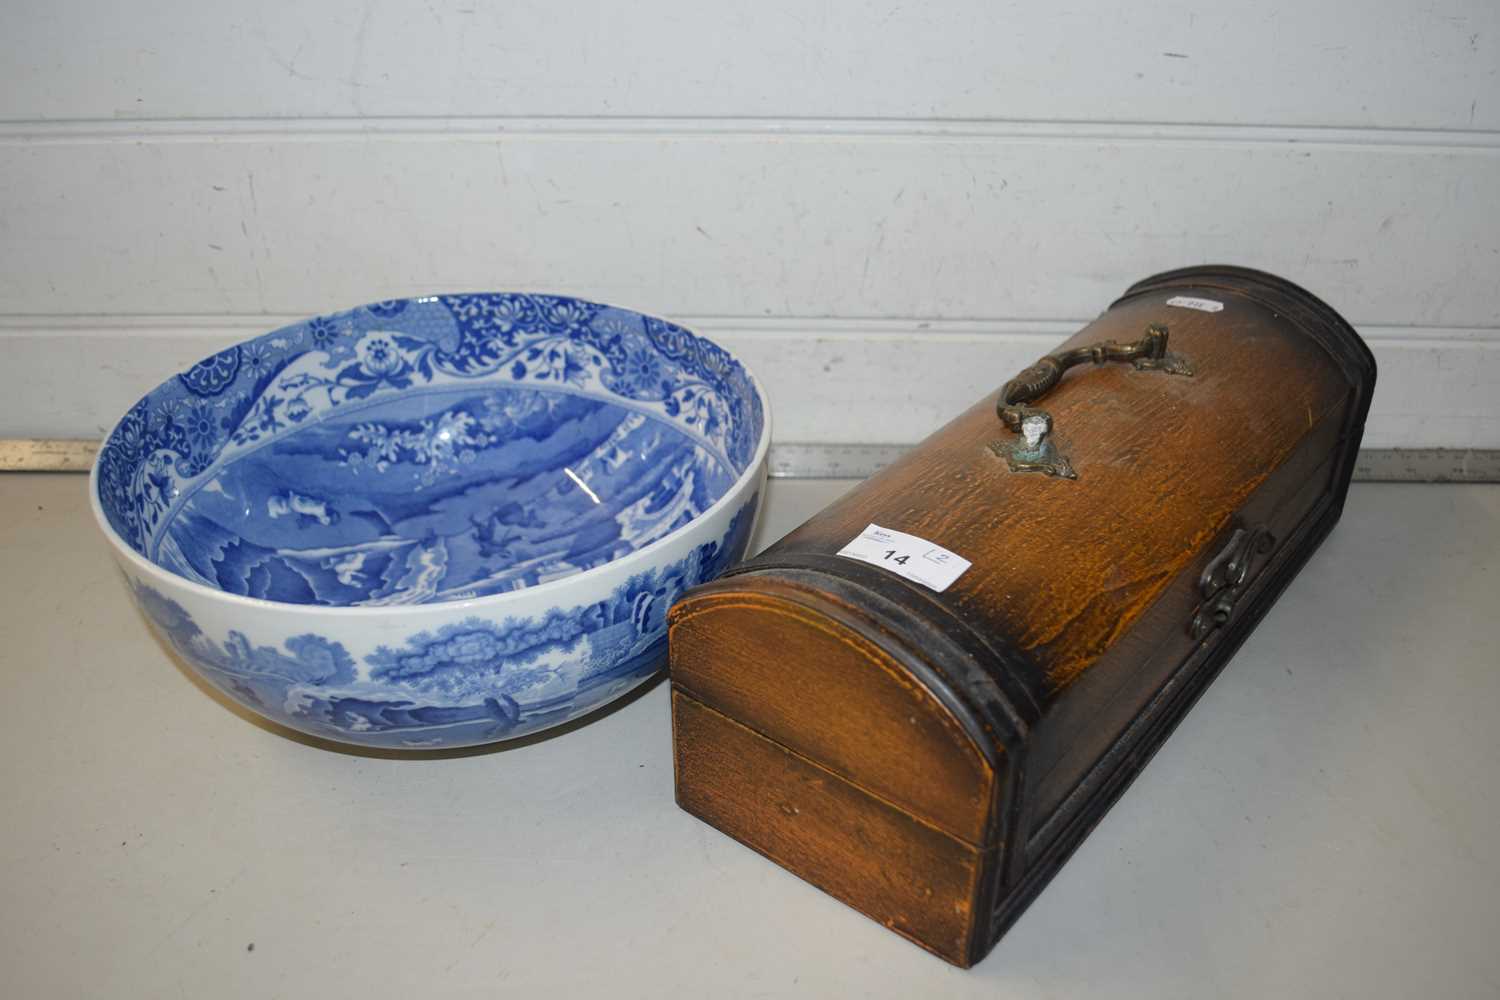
pixel 885 207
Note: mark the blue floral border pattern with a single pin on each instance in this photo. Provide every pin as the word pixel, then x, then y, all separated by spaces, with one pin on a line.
pixel 471 681
pixel 246 396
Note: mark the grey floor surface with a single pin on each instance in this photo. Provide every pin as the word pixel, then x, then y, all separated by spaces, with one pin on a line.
pixel 1323 824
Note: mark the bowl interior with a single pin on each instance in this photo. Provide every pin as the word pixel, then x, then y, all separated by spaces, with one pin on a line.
pixel 428 450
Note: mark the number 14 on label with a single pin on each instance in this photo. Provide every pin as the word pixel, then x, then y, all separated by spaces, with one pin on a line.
pixel 907 556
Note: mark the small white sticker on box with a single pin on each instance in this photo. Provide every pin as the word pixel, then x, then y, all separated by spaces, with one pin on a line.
pixel 1202 305
pixel 915 558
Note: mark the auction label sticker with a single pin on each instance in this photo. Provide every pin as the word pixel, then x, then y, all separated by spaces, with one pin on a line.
pixel 915 558
pixel 1202 305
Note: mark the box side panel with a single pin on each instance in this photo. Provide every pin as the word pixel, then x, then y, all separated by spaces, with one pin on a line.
pixel 1087 718
pixel 823 681
pixel 1091 798
pixel 919 882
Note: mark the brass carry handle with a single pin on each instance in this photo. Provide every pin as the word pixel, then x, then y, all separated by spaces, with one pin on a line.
pixel 1034 453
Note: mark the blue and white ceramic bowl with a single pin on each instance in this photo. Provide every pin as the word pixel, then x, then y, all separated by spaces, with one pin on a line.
pixel 434 522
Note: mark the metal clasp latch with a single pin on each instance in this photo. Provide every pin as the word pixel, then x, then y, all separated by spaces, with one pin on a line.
pixel 1224 579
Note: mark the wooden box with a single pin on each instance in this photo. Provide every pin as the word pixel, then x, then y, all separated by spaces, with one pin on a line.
pixel 1129 511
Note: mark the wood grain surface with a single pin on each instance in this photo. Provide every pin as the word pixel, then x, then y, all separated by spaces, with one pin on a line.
pixel 794 666
pixel 915 880
pixel 1065 568
pixel 1007 712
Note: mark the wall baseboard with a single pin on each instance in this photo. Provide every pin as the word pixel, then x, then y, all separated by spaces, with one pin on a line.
pixel 802 460
pixel 1375 465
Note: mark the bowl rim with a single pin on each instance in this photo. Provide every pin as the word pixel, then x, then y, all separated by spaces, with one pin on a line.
pixel 142 565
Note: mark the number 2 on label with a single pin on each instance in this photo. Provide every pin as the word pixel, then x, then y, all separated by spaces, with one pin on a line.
pixel 907 556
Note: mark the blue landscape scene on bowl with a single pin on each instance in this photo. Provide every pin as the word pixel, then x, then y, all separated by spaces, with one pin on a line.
pixel 430 453
pixel 469 682
pixel 428 450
